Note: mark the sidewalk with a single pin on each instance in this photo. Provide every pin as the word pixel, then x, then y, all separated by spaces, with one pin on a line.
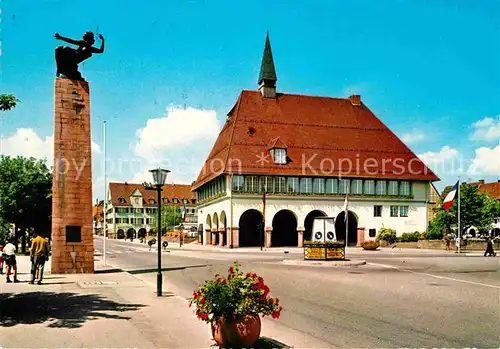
pixel 110 309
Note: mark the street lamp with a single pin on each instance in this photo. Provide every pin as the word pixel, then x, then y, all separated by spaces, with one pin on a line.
pixel 159 178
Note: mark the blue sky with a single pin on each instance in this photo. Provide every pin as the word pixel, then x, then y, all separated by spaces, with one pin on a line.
pixel 172 70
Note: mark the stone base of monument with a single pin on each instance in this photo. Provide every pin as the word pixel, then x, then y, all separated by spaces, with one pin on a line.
pixel 72 239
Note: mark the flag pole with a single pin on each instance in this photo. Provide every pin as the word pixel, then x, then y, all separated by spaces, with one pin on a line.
pixel 346 218
pixel 459 226
pixel 105 195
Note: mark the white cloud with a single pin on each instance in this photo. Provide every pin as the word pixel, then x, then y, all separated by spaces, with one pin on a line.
pixel 486 161
pixel 446 153
pixel 487 129
pixel 26 142
pixel 413 137
pixel 181 127
pixel 448 161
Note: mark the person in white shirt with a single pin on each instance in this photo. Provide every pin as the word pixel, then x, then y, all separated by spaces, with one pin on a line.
pixel 9 258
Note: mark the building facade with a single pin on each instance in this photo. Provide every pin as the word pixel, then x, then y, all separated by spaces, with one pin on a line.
pixel 281 160
pixel 434 203
pixel 131 209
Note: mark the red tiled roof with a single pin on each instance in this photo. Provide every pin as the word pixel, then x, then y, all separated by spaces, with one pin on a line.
pixel 318 131
pixel 277 143
pixel 492 189
pixel 170 192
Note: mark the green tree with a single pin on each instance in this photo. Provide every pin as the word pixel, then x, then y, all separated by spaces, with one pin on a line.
pixel 7 102
pixel 170 216
pixel 491 210
pixel 440 225
pixel 4 232
pixel 26 194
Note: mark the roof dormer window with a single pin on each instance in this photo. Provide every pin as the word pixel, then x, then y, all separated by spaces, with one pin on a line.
pixel 175 201
pixel 279 155
pixel 278 151
pixel 165 200
pixel 121 200
pixel 152 201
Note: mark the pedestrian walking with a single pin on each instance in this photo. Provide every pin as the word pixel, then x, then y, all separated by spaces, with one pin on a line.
pixel 151 243
pixel 9 258
pixel 39 254
pixel 447 239
pixel 181 239
pixel 489 247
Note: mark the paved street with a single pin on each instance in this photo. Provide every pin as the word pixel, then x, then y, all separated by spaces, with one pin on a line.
pixel 399 299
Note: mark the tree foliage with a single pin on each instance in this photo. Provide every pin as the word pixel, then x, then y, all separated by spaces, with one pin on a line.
pixel 4 232
pixel 7 102
pixel 170 216
pixel 25 192
pixel 476 210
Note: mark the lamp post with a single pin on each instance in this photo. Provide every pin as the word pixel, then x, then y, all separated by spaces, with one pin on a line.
pixel 159 177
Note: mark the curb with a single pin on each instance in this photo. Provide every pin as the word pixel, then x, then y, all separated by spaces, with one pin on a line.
pixel 331 264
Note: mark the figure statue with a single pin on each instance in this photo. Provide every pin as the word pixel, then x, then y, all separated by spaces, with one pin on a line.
pixel 67 58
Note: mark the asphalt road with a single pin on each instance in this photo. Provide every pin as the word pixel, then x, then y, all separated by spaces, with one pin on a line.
pixel 399 299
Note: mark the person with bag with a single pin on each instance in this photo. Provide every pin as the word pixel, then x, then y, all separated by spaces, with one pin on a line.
pixel 9 258
pixel 39 254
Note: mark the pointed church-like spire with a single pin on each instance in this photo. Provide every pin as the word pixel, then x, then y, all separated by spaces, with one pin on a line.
pixel 267 76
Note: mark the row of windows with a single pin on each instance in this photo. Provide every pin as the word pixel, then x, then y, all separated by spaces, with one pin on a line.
pixel 213 188
pixel 396 211
pixel 151 201
pixel 146 210
pixel 305 185
pixel 134 221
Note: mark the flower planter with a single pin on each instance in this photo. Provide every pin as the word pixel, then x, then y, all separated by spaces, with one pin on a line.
pixel 237 334
pixel 370 245
pixel 233 306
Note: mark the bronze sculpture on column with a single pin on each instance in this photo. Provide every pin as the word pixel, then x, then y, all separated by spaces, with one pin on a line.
pixel 67 58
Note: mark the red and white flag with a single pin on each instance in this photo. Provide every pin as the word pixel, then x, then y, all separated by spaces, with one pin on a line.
pixel 448 200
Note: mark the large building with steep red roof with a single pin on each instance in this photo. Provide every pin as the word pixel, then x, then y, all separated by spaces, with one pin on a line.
pixel 131 208
pixel 281 160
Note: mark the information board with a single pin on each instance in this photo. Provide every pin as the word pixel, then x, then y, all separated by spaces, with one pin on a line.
pixel 314 253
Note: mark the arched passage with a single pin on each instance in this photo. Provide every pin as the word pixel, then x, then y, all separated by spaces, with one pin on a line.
pixel 215 227
pixel 352 222
pixel 208 230
pixel 120 234
pixel 284 229
pixel 131 233
pixel 222 224
pixel 472 232
pixel 308 223
pixel 249 225
pixel 141 234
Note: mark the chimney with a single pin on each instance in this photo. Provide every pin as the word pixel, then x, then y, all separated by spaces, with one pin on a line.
pixel 355 99
pixel 481 181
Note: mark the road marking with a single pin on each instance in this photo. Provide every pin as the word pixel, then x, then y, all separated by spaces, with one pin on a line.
pixel 435 276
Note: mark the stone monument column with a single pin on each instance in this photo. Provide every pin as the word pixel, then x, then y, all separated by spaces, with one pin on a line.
pixel 72 239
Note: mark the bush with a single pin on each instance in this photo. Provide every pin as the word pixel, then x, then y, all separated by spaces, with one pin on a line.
pixel 388 235
pixel 434 234
pixel 370 245
pixel 410 237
